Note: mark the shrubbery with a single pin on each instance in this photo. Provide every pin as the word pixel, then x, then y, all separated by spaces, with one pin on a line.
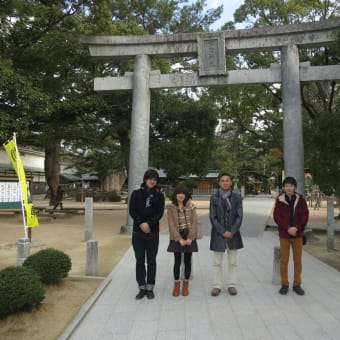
pixel 50 264
pixel 20 289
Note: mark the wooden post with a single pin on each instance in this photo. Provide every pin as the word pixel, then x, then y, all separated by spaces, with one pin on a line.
pixel 29 234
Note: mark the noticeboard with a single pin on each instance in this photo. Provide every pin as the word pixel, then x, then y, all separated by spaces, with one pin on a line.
pixel 10 193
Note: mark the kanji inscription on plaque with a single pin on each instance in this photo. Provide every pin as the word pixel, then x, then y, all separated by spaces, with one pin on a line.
pixel 211 54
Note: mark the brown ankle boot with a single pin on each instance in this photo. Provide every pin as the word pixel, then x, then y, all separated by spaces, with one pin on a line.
pixel 177 287
pixel 185 288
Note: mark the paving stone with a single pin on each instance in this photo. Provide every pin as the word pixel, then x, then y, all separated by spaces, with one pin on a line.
pixel 257 312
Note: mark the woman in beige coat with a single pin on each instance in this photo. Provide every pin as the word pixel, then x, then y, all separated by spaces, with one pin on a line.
pixel 182 221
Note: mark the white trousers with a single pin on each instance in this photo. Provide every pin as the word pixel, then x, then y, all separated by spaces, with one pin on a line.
pixel 232 268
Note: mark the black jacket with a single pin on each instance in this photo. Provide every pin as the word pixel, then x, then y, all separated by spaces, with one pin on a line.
pixel 143 211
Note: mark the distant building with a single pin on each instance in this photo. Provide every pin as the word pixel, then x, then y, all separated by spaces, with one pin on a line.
pixel 208 181
pixel 33 162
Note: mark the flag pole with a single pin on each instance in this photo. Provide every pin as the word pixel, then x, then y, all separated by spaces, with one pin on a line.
pixel 19 177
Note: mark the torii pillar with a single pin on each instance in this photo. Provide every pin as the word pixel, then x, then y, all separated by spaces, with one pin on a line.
pixel 292 116
pixel 140 125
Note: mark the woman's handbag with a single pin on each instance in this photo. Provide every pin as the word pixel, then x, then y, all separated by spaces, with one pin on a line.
pixel 183 229
pixel 184 232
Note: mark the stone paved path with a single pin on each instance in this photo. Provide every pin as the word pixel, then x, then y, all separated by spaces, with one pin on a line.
pixel 257 312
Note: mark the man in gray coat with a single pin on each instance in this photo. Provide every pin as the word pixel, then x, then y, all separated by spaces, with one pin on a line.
pixel 226 215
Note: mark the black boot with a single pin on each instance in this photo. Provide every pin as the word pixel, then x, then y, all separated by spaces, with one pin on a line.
pixel 141 294
pixel 150 294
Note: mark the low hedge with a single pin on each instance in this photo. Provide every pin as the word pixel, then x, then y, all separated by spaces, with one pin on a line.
pixel 20 289
pixel 50 264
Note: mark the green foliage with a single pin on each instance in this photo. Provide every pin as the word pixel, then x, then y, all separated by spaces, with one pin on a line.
pixel 182 133
pixel 20 289
pixel 46 75
pixel 277 12
pixel 46 82
pixel 149 15
pixel 251 134
pixel 320 100
pixel 249 131
pixel 323 151
pixel 50 264
pixel 190 183
pixel 194 18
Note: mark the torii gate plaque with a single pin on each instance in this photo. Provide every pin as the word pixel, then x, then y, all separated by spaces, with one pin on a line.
pixel 210 49
pixel 211 54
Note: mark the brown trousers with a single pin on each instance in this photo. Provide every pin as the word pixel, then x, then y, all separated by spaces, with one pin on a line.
pixel 296 244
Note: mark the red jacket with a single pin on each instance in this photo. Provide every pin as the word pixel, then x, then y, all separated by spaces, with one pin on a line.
pixel 282 215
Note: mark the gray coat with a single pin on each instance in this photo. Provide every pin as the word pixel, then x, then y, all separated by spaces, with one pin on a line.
pixel 216 214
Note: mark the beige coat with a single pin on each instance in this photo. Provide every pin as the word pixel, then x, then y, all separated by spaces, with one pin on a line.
pixel 173 222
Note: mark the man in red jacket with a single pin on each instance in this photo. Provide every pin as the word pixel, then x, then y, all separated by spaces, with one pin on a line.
pixel 291 215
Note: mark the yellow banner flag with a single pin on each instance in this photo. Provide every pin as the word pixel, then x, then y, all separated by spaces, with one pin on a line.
pixel 31 216
pixel 15 159
pixel 16 162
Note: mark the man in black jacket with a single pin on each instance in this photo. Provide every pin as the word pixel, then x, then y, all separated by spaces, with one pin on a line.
pixel 146 207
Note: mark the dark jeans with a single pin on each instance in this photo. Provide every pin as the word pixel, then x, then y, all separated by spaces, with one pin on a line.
pixel 145 244
pixel 187 265
pixel 58 203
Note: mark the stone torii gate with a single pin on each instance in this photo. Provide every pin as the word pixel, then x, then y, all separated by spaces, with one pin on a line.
pixel 210 50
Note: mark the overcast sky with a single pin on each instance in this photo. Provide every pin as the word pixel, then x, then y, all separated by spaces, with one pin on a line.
pixel 229 7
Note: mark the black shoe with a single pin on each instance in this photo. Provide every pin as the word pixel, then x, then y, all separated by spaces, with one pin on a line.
pixel 150 295
pixel 141 294
pixel 298 290
pixel 215 292
pixel 283 290
pixel 232 291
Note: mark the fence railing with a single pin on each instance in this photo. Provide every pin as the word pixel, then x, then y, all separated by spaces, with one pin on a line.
pixel 200 192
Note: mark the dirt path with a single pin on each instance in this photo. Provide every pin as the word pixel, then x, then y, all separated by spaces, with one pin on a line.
pixel 66 233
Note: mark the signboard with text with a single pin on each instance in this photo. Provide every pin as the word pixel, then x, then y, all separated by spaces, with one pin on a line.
pixel 10 194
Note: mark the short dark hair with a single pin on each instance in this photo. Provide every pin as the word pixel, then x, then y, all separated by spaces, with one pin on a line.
pixel 222 174
pixel 151 174
pixel 289 180
pixel 180 189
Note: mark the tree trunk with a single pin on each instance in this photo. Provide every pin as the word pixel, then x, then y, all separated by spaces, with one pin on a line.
pixel 52 169
pixel 113 181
